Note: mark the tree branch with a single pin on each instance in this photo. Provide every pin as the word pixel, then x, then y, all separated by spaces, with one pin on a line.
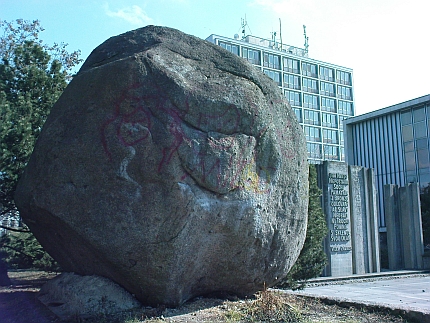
pixel 13 229
pixel 19 251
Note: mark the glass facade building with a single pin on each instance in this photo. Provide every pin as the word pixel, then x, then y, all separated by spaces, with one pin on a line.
pixel 395 142
pixel 320 93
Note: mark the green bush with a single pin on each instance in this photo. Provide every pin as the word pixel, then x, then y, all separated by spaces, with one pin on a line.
pixel 312 258
pixel 425 214
pixel 22 251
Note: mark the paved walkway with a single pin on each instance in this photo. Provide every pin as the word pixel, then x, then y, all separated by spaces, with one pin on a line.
pixel 409 291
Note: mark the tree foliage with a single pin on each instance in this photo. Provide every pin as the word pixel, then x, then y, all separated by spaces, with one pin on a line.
pixel 312 258
pixel 22 250
pixel 425 214
pixel 32 77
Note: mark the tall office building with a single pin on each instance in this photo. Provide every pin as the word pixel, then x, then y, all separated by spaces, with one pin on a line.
pixel 320 93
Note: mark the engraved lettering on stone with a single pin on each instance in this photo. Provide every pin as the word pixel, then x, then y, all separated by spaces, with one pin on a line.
pixel 339 205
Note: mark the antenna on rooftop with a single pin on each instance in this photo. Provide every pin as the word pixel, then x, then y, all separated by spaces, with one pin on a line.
pixel 244 24
pixel 280 32
pixel 306 40
pixel 273 38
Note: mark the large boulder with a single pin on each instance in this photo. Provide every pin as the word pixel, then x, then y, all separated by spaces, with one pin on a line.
pixel 172 167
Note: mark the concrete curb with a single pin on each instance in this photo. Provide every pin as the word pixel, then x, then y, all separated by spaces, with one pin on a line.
pixel 411 315
pixel 379 275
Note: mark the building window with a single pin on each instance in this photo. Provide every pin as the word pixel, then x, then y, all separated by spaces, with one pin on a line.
pixel 344 107
pixel 314 150
pixel 231 48
pixel 407 133
pixel 341 138
pixel 292 81
pixel 310 85
pixel 327 89
pixel 326 74
pixel 410 161
pixel 310 101
pixel 330 136
pixel 331 152
pixel 272 61
pixel 293 97
pixel 343 77
pixel 329 120
pixel 342 153
pixel 312 133
pixel 409 146
pixel 420 143
pixel 406 117
pixel 415 145
pixel 298 113
pixel 344 92
pixel 424 179
pixel 309 69
pixel 420 129
pixel 291 65
pixel 328 104
pixel 419 114
pixel 423 158
pixel 253 56
pixel 312 117
pixel 276 76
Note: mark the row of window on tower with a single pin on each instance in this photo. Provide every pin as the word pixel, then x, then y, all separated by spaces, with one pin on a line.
pixel 296 82
pixel 328 152
pixel 316 118
pixel 327 136
pixel 290 65
pixel 315 102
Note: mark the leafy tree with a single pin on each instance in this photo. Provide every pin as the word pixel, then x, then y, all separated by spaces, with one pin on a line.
pixel 312 258
pixel 425 214
pixel 32 77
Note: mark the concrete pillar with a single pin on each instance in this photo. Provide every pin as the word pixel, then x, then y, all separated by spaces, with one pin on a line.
pixel 413 246
pixel 364 220
pixel 358 222
pixel 404 228
pixel 393 223
pixel 373 223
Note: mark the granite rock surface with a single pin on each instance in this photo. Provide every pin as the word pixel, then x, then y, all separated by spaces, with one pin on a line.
pixel 172 167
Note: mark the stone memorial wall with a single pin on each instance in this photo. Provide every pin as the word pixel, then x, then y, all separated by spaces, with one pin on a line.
pixel 336 207
pixel 349 197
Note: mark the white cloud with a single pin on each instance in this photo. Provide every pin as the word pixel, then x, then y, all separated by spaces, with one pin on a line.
pixel 284 6
pixel 132 14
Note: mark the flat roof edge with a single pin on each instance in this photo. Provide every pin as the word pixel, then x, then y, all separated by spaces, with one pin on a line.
pixel 387 110
pixel 238 41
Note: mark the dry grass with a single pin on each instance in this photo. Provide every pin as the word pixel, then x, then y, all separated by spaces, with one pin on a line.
pixel 268 306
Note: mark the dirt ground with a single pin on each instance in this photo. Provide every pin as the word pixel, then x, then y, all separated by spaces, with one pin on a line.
pixel 18 304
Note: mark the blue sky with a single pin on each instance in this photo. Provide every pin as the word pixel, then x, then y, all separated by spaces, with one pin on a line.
pixel 385 42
